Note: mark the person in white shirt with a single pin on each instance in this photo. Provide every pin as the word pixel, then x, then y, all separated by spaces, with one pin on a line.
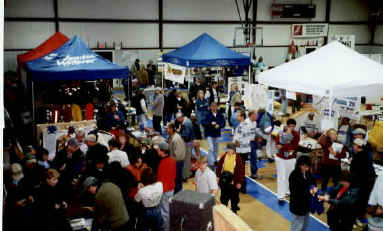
pixel 254 133
pixel 150 193
pixel 117 155
pixel 311 125
pixel 242 140
pixel 205 179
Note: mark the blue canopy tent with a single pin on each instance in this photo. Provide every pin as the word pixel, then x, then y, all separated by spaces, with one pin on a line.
pixel 205 51
pixel 72 61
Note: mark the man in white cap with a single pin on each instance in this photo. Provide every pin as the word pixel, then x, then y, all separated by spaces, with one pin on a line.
pixel 157 109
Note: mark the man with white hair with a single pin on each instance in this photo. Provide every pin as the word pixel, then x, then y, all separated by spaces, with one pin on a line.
pixel 80 137
pixel 157 110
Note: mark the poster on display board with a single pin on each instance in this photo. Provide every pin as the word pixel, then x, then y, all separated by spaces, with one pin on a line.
pixel 347 40
pixel 270 101
pixel 256 97
pixel 235 83
pixel 175 73
pixel 309 30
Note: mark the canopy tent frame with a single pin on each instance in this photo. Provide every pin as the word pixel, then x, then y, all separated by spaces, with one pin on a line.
pixel 84 65
pixel 195 54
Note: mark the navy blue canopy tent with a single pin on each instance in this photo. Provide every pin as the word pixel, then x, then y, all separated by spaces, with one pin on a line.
pixel 74 61
pixel 205 51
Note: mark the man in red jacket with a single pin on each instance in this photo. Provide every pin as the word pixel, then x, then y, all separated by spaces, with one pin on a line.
pixel 285 159
pixel 166 175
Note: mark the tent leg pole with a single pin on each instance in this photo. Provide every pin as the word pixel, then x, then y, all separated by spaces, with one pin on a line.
pixel 162 79
pixel 249 74
pixel 33 103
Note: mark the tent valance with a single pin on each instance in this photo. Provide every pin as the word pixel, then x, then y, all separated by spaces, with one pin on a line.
pixel 74 61
pixel 333 70
pixel 205 51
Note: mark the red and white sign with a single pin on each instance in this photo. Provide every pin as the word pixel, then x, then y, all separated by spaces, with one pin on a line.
pixel 309 30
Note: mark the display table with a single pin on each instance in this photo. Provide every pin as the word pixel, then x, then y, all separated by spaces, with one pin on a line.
pixel 64 126
pixel 226 220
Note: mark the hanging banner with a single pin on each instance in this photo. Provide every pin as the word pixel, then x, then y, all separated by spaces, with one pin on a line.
pixel 270 101
pixel 347 40
pixel 175 73
pixel 309 30
pixel 348 107
pixel 291 95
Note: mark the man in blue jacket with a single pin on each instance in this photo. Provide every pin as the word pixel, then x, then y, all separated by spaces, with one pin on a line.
pixel 186 131
pixel 213 124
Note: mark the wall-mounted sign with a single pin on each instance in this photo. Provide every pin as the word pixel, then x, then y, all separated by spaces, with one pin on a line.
pixel 347 40
pixel 309 30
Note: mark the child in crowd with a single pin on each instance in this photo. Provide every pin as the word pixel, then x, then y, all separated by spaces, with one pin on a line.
pixel 285 136
pixel 205 179
pixel 42 157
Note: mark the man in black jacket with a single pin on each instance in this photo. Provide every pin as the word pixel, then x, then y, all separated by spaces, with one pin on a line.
pixel 343 200
pixel 361 175
pixel 300 182
pixel 214 93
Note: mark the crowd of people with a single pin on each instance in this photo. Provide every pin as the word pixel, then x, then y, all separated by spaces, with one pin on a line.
pixel 125 188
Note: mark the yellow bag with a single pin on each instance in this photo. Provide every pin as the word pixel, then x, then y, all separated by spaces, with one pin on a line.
pixel 76 113
pixel 375 136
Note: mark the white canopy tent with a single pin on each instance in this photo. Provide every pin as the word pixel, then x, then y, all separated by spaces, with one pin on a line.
pixel 333 71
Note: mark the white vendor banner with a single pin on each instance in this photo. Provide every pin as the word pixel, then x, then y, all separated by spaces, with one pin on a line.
pixel 291 95
pixel 347 40
pixel 348 107
pixel 309 30
pixel 175 73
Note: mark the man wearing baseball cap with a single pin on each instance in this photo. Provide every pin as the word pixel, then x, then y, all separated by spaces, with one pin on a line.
pixel 167 175
pixel 110 210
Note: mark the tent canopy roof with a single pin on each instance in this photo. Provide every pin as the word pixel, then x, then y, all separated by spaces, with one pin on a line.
pixel 333 70
pixel 205 51
pixel 49 45
pixel 74 61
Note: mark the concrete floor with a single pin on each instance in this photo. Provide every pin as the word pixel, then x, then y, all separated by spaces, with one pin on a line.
pixel 256 214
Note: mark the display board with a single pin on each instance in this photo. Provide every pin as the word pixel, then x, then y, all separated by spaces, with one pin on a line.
pixel 257 96
pixel 309 30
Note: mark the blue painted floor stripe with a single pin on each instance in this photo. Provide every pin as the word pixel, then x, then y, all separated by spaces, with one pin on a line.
pixel 270 200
